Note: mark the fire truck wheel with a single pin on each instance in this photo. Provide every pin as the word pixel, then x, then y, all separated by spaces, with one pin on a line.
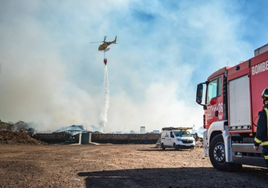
pixel 217 155
pixel 162 146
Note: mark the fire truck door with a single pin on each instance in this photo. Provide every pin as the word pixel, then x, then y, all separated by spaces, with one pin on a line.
pixel 214 101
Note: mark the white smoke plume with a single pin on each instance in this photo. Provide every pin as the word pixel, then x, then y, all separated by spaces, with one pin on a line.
pixel 103 116
pixel 51 76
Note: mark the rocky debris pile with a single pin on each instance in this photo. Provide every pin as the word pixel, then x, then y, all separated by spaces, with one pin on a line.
pixel 9 137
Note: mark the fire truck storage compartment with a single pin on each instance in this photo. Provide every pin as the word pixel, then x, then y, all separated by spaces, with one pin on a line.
pixel 239 104
pixel 259 81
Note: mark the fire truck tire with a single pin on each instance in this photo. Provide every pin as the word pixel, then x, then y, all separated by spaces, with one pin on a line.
pixel 162 146
pixel 217 155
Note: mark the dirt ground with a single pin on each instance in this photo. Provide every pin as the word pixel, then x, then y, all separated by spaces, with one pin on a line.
pixel 116 166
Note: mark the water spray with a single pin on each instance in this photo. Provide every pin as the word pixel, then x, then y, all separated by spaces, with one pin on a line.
pixel 104 113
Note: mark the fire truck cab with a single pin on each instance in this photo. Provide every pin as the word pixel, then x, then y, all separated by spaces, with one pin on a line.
pixel 231 98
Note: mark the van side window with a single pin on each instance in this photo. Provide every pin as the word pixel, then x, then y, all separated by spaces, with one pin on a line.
pixel 171 134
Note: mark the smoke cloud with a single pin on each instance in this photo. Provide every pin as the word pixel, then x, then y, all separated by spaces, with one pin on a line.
pixel 52 76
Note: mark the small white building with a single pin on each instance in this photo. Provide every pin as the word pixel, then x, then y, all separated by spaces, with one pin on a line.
pixel 142 129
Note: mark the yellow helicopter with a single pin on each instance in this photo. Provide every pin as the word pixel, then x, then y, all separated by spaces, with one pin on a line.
pixel 103 47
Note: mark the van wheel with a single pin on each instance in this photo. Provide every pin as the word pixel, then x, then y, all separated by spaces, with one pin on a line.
pixel 218 157
pixel 162 146
pixel 176 147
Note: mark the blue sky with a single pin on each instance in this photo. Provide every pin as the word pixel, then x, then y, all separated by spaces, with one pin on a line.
pixel 52 75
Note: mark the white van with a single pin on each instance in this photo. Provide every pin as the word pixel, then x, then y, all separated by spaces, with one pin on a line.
pixel 176 138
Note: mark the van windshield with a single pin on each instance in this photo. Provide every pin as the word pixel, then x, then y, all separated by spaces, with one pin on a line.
pixel 182 133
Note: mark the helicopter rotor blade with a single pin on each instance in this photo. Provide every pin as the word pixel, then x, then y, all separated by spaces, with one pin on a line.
pixel 105 38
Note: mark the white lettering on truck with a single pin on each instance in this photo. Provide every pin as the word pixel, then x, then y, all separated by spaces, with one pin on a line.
pixel 260 68
pixel 212 109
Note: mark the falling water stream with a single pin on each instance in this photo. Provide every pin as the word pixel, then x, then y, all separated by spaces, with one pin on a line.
pixel 104 112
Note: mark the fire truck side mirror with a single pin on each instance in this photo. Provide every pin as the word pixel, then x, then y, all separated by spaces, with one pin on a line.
pixel 199 93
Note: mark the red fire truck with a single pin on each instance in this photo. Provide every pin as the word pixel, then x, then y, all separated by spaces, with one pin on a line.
pixel 231 98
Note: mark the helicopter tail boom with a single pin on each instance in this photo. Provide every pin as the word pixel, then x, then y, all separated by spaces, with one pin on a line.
pixel 114 42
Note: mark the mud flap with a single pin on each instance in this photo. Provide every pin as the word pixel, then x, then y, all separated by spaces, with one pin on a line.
pixel 205 143
pixel 228 145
